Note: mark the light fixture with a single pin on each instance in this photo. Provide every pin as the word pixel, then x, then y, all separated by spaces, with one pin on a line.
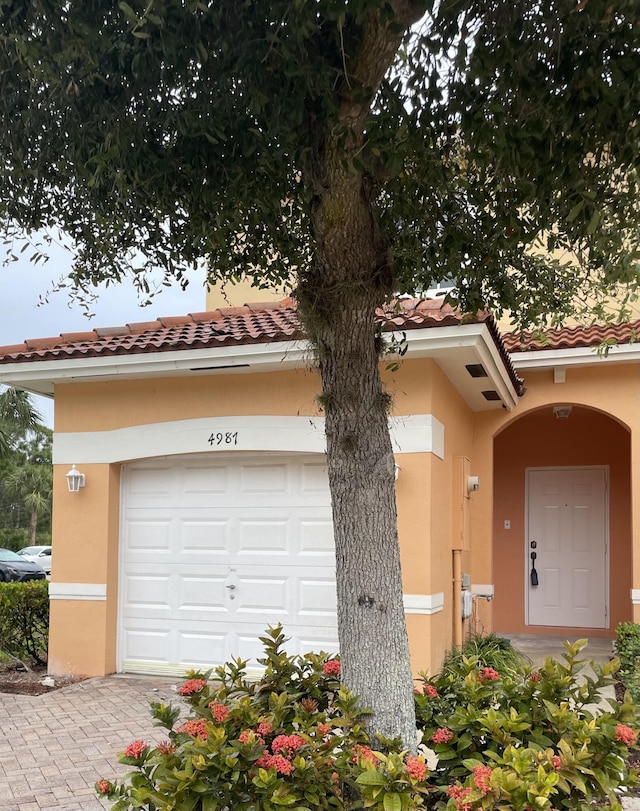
pixel 562 412
pixel 473 484
pixel 75 479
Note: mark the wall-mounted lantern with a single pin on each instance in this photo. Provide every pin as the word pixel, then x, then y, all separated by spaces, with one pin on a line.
pixel 75 479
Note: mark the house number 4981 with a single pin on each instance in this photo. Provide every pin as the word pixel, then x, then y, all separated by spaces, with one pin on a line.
pixel 223 438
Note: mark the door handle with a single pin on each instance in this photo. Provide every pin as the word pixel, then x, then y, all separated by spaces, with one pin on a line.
pixel 231 587
pixel 534 573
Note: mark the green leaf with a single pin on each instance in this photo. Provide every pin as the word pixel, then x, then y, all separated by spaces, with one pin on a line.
pixel 129 13
pixel 594 222
pixel 371 778
pixel 392 802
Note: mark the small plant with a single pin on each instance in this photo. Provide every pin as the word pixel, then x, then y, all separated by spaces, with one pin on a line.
pixel 627 647
pixel 490 650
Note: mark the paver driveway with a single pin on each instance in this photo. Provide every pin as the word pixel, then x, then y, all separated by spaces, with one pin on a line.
pixel 54 747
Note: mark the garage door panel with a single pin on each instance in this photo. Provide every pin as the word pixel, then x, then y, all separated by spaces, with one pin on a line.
pixel 146 644
pixel 316 639
pixel 265 537
pixel 313 479
pixel 151 482
pixel 317 598
pixel 204 537
pixel 200 648
pixel 316 538
pixel 215 550
pixel 264 478
pixel 146 593
pixel 262 595
pixel 199 480
pixel 149 536
pixel 199 593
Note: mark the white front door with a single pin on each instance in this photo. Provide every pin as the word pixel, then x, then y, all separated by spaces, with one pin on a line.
pixel 216 548
pixel 567 533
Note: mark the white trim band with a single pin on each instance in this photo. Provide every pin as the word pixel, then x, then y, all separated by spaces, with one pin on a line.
pixel 420 433
pixel 77 591
pixel 635 596
pixel 579 356
pixel 423 603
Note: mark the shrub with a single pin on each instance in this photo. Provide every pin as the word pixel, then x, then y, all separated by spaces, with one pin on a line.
pixel 490 650
pixel 295 739
pixel 627 645
pixel 530 739
pixel 24 620
pixel 628 650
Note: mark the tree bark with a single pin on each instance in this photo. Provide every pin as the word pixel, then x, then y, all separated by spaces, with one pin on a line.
pixel 349 277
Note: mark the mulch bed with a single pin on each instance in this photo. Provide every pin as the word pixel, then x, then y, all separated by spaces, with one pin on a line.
pixel 17 680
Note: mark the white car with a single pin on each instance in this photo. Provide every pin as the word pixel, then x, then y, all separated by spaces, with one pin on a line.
pixel 38 554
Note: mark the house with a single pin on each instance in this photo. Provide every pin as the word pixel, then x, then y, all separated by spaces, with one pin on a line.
pixel 205 515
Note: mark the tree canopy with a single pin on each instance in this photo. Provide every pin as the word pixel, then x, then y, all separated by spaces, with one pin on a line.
pixel 191 130
pixel 357 147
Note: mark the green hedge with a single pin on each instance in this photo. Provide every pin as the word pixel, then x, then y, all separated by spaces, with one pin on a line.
pixel 628 651
pixel 24 620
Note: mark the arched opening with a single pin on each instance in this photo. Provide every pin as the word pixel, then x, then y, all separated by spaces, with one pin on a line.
pixel 562 494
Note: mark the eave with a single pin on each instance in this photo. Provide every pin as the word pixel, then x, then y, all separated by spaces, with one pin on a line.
pixel 453 348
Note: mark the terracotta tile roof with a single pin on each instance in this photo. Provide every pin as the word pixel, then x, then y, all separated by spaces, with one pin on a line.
pixel 256 323
pixel 573 337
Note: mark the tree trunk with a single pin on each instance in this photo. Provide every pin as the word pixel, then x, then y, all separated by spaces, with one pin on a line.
pixel 338 297
pixel 33 526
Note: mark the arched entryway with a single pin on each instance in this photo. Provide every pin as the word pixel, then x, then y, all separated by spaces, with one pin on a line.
pixel 562 493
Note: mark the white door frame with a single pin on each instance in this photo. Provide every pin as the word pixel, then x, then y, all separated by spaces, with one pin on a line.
pixel 528 470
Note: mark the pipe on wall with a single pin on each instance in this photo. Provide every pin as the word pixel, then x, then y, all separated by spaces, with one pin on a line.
pixel 457 598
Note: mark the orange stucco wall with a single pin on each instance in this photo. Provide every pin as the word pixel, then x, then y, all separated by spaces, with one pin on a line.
pixel 586 438
pixel 435 512
pixel 610 394
pixel 86 525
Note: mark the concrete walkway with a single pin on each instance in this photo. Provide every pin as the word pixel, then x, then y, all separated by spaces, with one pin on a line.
pixel 54 747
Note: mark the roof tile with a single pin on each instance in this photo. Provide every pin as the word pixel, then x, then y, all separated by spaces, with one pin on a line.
pixel 144 326
pixel 78 337
pixel 576 337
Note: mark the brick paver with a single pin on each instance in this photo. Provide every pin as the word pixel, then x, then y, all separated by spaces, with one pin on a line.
pixel 55 746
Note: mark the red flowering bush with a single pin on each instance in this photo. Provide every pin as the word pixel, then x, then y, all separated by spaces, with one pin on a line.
pixel 527 739
pixel 192 686
pixel 294 739
pixel 331 668
pixel 135 750
pixel 626 735
pixel 488 674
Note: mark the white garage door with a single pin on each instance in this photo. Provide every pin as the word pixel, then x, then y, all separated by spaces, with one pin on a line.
pixel 214 549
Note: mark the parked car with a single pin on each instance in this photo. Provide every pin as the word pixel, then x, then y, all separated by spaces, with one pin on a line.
pixel 15 567
pixel 38 554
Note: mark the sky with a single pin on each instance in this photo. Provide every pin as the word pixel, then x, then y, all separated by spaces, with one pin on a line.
pixel 23 315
